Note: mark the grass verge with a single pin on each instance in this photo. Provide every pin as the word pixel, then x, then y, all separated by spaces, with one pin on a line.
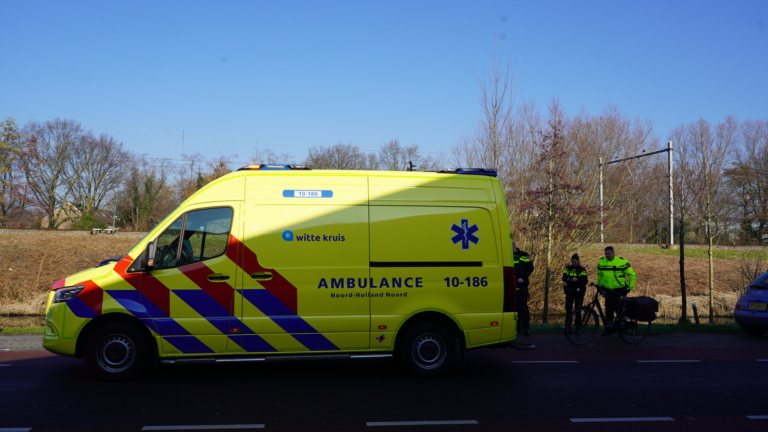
pixel 21 330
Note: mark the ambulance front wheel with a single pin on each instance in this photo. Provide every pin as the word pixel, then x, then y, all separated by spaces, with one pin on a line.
pixel 116 352
pixel 428 350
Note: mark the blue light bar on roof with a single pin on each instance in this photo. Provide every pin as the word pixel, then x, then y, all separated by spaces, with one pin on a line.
pixel 272 167
pixel 477 171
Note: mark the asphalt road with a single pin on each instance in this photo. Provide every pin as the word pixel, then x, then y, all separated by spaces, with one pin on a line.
pixel 609 386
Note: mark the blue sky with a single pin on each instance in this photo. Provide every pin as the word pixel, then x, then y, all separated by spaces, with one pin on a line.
pixel 225 77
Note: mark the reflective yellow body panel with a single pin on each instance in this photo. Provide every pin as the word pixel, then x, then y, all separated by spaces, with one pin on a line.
pixel 266 262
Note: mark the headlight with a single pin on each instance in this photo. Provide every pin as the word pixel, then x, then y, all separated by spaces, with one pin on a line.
pixel 67 293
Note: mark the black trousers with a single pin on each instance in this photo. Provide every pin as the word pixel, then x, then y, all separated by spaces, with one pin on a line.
pixel 573 297
pixel 612 301
pixel 523 315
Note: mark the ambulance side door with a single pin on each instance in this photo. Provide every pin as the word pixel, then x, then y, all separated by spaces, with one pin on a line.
pixel 306 275
pixel 190 291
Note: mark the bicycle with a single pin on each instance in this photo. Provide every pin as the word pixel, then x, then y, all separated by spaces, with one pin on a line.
pixel 587 324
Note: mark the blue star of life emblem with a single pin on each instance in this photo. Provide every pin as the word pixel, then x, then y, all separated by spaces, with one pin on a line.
pixel 465 234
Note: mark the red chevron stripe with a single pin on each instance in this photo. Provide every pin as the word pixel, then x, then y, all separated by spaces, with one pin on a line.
pixel 223 293
pixel 92 295
pixel 157 293
pixel 279 286
pixel 153 290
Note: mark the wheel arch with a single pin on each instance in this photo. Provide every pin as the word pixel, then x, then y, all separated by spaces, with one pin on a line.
pixel 437 317
pixel 94 324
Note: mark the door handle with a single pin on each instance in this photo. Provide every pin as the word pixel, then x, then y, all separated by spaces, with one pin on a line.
pixel 217 277
pixel 261 276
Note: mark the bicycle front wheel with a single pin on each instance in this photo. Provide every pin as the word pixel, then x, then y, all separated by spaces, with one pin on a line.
pixel 633 331
pixel 584 326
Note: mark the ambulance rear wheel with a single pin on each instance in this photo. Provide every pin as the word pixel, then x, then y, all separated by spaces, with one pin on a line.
pixel 116 352
pixel 428 350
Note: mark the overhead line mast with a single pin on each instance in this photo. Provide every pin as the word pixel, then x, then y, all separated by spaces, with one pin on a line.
pixel 671 196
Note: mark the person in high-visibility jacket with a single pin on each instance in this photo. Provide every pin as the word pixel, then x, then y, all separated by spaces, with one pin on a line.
pixel 523 270
pixel 617 277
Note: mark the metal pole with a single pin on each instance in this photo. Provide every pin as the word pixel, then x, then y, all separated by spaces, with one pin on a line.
pixel 671 196
pixel 602 240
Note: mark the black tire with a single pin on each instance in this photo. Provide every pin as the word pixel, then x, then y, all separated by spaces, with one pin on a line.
pixel 584 326
pixel 116 351
pixel 753 331
pixel 428 350
pixel 634 331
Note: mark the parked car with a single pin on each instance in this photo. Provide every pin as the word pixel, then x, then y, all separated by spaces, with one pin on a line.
pixel 751 311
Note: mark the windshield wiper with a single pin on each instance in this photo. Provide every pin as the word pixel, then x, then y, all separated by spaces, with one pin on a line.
pixel 109 260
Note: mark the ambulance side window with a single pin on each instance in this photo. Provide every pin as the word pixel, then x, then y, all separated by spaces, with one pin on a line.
pixel 202 234
pixel 168 245
pixel 206 234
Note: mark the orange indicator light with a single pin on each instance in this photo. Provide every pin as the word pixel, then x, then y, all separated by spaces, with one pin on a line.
pixel 234 330
pixel 494 323
pixel 382 327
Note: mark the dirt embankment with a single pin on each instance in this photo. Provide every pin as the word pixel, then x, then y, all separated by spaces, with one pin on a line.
pixel 33 260
pixel 658 276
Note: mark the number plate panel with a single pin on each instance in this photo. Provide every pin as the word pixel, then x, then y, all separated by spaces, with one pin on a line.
pixel 757 306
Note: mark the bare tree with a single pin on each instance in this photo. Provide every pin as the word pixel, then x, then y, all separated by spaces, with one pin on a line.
pixel 394 157
pixel 216 169
pixel 188 175
pixel 47 151
pixel 553 198
pixel 748 180
pixel 488 145
pixel 687 191
pixel 267 156
pixel 711 152
pixel 341 157
pixel 145 197
pixel 94 170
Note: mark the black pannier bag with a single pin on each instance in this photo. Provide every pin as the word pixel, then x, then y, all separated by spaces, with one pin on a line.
pixel 642 308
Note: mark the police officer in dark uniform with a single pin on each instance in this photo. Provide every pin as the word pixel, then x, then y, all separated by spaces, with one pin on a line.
pixel 523 270
pixel 575 279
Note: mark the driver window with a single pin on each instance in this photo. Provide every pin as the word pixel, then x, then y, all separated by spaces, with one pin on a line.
pixel 205 236
pixel 168 245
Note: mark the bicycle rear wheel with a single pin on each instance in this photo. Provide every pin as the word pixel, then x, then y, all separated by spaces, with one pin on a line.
pixel 634 331
pixel 584 326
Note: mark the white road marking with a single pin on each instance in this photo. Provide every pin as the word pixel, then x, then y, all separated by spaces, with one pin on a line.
pixel 621 419
pixel 762 359
pixel 765 417
pixel 15 429
pixel 4 365
pixel 547 361
pixel 419 423
pixel 203 427
pixel 669 361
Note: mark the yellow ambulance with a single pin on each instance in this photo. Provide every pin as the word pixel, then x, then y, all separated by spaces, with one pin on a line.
pixel 277 261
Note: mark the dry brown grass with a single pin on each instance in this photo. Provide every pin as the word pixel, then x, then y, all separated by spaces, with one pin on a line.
pixel 671 307
pixel 658 276
pixel 33 260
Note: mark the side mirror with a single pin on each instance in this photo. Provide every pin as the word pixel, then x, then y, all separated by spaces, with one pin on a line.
pixel 148 257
